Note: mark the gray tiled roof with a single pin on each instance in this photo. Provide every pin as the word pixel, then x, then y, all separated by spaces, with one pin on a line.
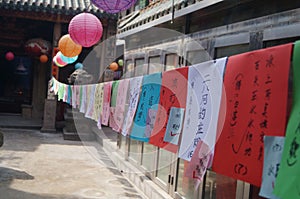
pixel 67 7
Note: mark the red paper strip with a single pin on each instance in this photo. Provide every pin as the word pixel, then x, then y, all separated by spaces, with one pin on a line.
pixel 173 94
pixel 256 85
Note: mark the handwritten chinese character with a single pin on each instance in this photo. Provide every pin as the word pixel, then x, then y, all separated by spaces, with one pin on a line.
pixel 201 114
pixel 200 128
pixel 249 137
pixel 269 80
pixel 268 94
pixel 252 111
pixel 292 159
pixel 264 124
pixel 248 151
pixel 256 65
pixel 254 95
pixel 204 99
pixel 269 62
pixel 265 109
pixel 238 81
pixel 204 83
pixel 172 98
pixel 240 169
pixel 255 83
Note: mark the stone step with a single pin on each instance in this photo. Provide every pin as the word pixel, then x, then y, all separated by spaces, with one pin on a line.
pixel 67 135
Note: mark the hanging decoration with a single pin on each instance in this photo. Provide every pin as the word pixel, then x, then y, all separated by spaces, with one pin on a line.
pixel 256 101
pixel 60 61
pixel 172 94
pixel 85 29
pixel 113 6
pixel 78 66
pixel 57 61
pixel 121 62
pixel 68 47
pixel 9 56
pixel 68 60
pixel 113 66
pixel 43 58
pixel 37 47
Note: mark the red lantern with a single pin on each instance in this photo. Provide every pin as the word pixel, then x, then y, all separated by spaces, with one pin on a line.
pixel 38 47
pixel 85 29
pixel 68 47
pixel 113 66
pixel 43 58
pixel 9 56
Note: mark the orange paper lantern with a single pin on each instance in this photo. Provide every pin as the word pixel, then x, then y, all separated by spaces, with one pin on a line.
pixel 43 58
pixel 113 66
pixel 68 47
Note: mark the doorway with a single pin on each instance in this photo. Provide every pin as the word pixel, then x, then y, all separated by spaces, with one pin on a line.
pixel 15 83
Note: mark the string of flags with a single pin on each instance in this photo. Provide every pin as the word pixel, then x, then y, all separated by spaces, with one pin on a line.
pixel 228 114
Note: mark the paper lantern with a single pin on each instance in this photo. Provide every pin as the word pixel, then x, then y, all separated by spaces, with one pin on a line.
pixel 120 62
pixel 9 56
pixel 57 63
pixel 113 66
pixel 68 47
pixel 78 66
pixel 60 61
pixel 38 47
pixel 85 29
pixel 113 6
pixel 68 60
pixel 43 58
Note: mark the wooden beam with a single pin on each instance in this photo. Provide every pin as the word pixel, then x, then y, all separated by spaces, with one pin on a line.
pixel 10 36
pixel 10 44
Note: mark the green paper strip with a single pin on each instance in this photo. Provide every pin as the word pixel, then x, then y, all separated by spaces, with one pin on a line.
pixel 287 183
pixel 61 91
pixel 114 94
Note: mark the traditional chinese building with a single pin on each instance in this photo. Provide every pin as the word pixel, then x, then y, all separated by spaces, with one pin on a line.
pixel 24 79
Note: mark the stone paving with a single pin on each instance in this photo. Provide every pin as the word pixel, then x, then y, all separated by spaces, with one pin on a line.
pixel 35 165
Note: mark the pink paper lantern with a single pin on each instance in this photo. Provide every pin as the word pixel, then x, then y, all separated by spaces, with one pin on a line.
pixel 85 29
pixel 9 56
pixel 113 6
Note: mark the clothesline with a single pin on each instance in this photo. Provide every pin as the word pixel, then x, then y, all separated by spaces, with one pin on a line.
pixel 193 108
